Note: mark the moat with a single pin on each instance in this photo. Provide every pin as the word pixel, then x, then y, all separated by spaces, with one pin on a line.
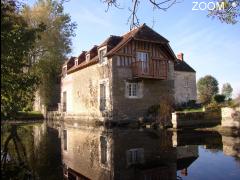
pixel 63 151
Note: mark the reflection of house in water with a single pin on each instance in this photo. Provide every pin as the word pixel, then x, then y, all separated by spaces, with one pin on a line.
pixel 123 154
pixel 186 155
pixel 118 154
pixel 231 146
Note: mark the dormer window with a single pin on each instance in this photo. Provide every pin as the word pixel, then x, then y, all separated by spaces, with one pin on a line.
pixel 76 62
pixel 102 53
pixel 64 71
pixel 88 57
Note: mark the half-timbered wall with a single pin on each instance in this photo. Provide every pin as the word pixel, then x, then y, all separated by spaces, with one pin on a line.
pixel 153 89
pixel 157 66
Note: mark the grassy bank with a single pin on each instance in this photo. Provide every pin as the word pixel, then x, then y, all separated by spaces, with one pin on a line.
pixel 30 115
pixel 191 110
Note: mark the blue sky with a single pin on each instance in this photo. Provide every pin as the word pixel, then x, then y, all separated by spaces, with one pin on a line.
pixel 209 46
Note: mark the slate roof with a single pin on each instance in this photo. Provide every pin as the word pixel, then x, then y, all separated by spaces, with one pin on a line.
pixel 180 65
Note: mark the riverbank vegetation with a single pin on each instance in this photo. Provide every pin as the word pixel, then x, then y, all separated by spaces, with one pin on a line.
pixel 35 42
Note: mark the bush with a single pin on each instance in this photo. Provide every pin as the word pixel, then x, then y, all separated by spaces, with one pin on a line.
pixel 191 104
pixel 213 106
pixel 219 98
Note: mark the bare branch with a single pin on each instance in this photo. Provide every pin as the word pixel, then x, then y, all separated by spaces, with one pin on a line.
pixel 133 18
pixel 111 3
pixel 163 5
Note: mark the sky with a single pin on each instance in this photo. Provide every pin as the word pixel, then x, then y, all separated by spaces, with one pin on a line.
pixel 209 46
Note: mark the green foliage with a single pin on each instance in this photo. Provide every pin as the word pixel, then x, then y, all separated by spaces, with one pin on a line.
pixel 51 49
pixel 219 98
pixel 227 90
pixel 17 38
pixel 213 106
pixel 207 87
pixel 226 15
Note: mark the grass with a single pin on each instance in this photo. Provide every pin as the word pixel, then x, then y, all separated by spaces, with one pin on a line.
pixel 30 115
pixel 191 110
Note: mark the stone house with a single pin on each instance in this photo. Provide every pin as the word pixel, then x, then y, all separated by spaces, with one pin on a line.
pixel 119 79
pixel 184 81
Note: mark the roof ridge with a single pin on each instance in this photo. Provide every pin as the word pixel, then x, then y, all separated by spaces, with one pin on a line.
pixel 135 29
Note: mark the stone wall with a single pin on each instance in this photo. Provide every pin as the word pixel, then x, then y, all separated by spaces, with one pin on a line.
pixel 184 86
pixel 230 117
pixel 152 93
pixel 83 153
pixel 196 119
pixel 83 91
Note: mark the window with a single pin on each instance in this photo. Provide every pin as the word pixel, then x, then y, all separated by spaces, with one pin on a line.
pixel 102 96
pixel 88 57
pixel 186 82
pixel 135 156
pixel 64 71
pixel 133 89
pixel 76 62
pixel 102 53
pixel 103 143
pixel 64 101
pixel 65 140
pixel 142 56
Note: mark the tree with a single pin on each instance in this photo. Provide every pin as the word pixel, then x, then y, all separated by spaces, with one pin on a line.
pixel 227 13
pixel 17 38
pixel 219 98
pixel 51 49
pixel 227 90
pixel 207 87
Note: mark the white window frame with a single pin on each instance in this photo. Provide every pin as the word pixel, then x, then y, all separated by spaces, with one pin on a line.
pixel 88 57
pixel 108 154
pixel 64 70
pixel 107 93
pixel 133 90
pixel 135 156
pixel 76 62
pixel 101 53
pixel 140 56
pixel 65 143
pixel 186 82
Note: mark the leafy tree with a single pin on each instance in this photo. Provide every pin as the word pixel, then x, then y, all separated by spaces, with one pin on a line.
pixel 17 38
pixel 207 87
pixel 227 12
pixel 52 48
pixel 227 90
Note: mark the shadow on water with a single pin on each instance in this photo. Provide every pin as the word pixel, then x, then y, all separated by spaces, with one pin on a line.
pixel 30 152
pixel 68 151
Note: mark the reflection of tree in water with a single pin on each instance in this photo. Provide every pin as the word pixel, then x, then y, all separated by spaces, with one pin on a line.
pixel 29 157
pixel 17 167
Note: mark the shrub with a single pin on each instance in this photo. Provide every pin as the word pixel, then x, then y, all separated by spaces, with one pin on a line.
pixel 219 98
pixel 213 106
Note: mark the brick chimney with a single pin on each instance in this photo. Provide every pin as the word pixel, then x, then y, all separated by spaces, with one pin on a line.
pixel 180 56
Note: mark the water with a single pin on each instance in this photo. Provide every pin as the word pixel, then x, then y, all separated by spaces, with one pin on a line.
pixel 41 151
